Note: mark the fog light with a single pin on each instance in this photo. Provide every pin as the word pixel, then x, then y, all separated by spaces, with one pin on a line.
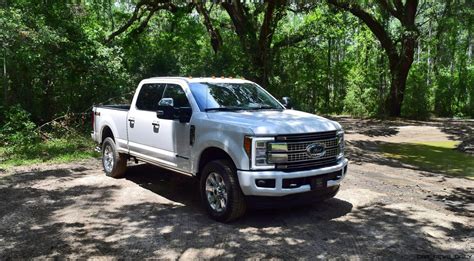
pixel 265 183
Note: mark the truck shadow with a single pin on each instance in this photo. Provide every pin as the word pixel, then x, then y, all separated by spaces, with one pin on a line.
pixel 185 190
pixel 79 213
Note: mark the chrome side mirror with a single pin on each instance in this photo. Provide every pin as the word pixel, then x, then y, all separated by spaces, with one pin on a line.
pixel 286 101
pixel 166 102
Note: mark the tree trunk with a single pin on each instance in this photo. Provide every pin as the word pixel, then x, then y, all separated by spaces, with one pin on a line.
pixel 399 68
pixel 5 78
pixel 397 89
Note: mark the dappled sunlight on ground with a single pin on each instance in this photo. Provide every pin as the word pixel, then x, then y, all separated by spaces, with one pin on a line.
pixel 76 211
pixel 431 157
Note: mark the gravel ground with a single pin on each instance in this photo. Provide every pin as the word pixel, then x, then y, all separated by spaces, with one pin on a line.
pixel 383 209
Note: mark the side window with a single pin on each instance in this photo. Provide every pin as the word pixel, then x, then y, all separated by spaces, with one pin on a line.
pixel 149 96
pixel 177 93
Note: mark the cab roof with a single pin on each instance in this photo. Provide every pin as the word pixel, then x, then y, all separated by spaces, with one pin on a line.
pixel 201 79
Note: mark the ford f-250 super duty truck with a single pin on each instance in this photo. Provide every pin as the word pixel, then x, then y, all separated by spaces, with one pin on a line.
pixel 242 144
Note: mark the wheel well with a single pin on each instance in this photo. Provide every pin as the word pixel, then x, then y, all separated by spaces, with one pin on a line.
pixel 107 132
pixel 211 154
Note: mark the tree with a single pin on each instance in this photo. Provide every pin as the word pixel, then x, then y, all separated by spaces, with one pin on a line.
pixel 256 38
pixel 400 50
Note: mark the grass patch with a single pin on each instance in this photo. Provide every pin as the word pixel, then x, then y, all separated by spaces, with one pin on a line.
pixel 437 156
pixel 57 150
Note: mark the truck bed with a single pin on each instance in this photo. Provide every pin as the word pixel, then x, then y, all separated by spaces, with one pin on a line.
pixel 115 118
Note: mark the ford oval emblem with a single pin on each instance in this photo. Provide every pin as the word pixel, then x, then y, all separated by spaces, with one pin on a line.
pixel 316 150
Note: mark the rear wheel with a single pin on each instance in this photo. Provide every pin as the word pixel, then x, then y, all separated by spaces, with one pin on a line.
pixel 114 163
pixel 220 191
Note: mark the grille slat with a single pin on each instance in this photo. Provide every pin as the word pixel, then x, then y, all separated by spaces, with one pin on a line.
pixel 307 164
pixel 306 136
pixel 301 146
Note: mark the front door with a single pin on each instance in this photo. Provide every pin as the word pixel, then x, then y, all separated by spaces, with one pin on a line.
pixel 159 140
pixel 144 128
pixel 175 135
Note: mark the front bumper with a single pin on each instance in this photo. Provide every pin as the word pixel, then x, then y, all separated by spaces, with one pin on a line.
pixel 247 180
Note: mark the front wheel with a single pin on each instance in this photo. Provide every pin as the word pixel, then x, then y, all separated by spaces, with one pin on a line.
pixel 114 163
pixel 220 191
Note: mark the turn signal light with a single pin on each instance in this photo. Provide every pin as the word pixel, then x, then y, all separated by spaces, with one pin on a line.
pixel 248 145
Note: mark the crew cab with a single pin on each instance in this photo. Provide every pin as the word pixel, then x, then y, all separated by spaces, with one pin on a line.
pixel 245 147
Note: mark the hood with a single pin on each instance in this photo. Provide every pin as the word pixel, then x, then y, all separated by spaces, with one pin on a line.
pixel 275 122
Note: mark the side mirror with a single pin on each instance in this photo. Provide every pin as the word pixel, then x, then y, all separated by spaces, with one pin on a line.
pixel 166 102
pixel 286 101
pixel 184 114
pixel 165 112
pixel 168 112
pixel 165 109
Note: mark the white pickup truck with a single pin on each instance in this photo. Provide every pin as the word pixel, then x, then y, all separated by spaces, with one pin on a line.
pixel 243 145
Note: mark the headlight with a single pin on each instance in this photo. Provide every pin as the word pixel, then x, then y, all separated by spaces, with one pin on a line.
pixel 256 148
pixel 340 142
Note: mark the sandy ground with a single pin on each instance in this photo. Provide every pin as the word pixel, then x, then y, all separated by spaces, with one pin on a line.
pixel 383 209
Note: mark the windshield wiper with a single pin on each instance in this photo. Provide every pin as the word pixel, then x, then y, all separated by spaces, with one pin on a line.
pixel 265 107
pixel 224 109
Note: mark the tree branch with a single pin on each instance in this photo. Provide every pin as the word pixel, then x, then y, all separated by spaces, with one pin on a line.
pixel 241 23
pixel 144 23
pixel 148 5
pixel 398 4
pixel 135 16
pixel 290 40
pixel 265 29
pixel 411 7
pixel 393 11
pixel 216 39
pixel 375 26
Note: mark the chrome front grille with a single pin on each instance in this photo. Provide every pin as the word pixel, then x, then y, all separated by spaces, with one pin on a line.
pixel 295 145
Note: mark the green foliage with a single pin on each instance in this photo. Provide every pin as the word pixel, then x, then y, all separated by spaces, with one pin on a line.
pixel 18 131
pixel 58 61
pixel 417 104
pixel 56 150
pixel 445 93
pixel 361 98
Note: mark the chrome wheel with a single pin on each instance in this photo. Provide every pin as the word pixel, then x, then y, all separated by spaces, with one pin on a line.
pixel 108 158
pixel 216 192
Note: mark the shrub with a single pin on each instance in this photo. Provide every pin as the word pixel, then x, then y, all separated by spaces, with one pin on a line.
pixel 18 131
pixel 362 95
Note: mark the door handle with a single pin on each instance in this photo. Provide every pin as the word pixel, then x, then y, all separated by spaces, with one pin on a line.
pixel 131 122
pixel 156 127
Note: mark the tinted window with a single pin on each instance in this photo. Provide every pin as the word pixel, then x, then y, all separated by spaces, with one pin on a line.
pixel 150 95
pixel 178 95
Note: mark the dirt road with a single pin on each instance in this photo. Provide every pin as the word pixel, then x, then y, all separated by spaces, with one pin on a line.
pixel 73 210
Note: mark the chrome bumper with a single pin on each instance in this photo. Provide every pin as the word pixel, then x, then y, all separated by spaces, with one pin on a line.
pixel 249 187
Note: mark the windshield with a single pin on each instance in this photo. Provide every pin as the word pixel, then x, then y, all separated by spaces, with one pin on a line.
pixel 232 96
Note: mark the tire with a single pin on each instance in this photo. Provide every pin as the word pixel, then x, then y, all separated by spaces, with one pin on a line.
pixel 114 163
pixel 224 173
